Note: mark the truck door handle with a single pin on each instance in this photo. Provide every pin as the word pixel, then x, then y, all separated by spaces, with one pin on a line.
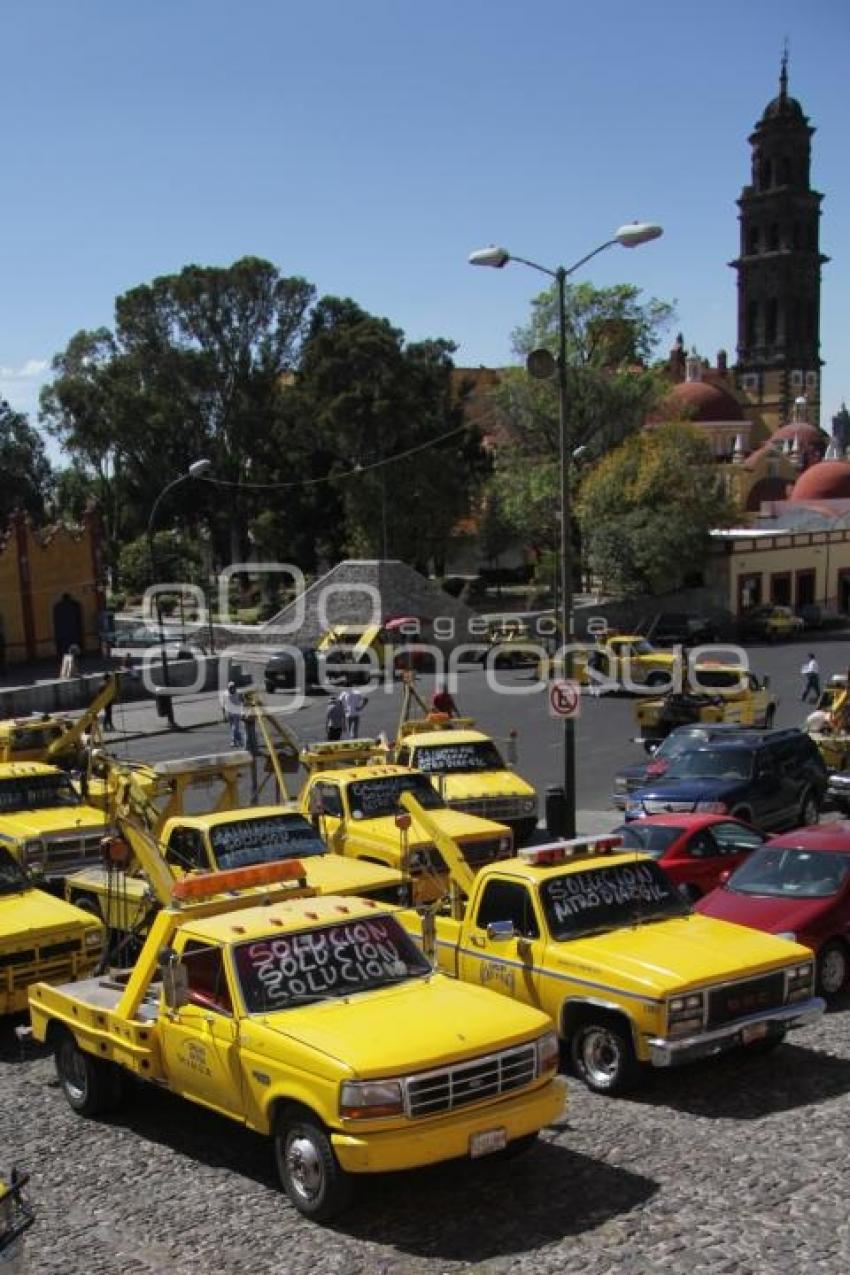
pixel 477 940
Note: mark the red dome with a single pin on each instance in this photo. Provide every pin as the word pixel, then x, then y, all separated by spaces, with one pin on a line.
pixel 828 480
pixel 700 401
pixel 807 435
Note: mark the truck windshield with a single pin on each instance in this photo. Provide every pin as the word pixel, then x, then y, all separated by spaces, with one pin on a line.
pixel 791 873
pixel 334 960
pixel 702 763
pixel 36 792
pixel 243 842
pixel 609 898
pixel 451 759
pixel 11 874
pixel 377 798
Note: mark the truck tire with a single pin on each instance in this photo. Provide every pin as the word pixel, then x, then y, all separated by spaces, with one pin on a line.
pixel 832 968
pixel 809 809
pixel 92 1086
pixel 308 1169
pixel 602 1053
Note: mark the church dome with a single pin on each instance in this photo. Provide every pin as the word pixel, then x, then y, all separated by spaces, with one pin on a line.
pixel 784 108
pixel 699 401
pixel 828 480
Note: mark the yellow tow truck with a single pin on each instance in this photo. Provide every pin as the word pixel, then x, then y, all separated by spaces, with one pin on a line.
pixel 314 1021
pixel 44 822
pixel 352 793
pixel 605 943
pixel 159 828
pixel 723 693
pixel 617 661
pixel 53 738
pixel 41 937
pixel 465 766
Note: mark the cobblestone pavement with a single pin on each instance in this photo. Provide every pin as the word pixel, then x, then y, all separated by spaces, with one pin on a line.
pixel 734 1165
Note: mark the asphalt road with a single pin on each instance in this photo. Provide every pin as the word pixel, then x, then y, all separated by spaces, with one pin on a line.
pixel 605 728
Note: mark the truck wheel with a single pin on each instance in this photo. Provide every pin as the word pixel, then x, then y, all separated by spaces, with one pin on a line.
pixel 309 1171
pixel 91 1085
pixel 602 1054
pixel 832 968
pixel 809 809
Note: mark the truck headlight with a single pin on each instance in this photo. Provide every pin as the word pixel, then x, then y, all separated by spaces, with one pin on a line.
pixel 685 1013
pixel 528 805
pixel 369 1099
pixel 93 938
pixel 506 846
pixel 34 855
pixel 548 1053
pixel 799 982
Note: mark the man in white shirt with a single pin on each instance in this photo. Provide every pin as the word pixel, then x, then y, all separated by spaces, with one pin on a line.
pixel 810 672
pixel 353 704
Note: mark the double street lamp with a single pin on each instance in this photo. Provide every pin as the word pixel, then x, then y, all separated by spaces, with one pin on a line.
pixel 629 236
pixel 196 470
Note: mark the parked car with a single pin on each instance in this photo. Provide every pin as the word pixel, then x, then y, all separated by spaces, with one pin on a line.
pixel 180 644
pixel 694 850
pixel 768 623
pixel 292 669
pixel 680 740
pixel 674 628
pixel 796 886
pixel 773 779
pixel 819 617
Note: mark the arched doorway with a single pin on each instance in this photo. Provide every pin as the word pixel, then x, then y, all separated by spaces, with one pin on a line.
pixel 67 624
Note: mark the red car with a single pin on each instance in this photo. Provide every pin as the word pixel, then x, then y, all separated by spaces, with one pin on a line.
pixel 797 886
pixel 692 849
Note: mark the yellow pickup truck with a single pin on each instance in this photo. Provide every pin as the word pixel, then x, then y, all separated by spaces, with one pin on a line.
pixel 41 937
pixel 44 822
pixel 218 840
pixel 469 772
pixel 616 662
pixel 357 812
pixel 315 1021
pixel 724 693
pixel 604 942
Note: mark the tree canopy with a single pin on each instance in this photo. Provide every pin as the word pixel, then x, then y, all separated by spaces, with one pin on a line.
pixel 646 510
pixel 25 472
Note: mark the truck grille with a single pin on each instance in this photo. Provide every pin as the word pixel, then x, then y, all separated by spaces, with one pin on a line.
pixel 54 963
pixel 432 1092
pixel 65 854
pixel 739 1000
pixel 477 853
pixel 498 808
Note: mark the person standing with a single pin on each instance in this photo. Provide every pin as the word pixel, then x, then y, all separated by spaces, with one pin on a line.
pixel 335 718
pixel 353 704
pixel 810 672
pixel 70 666
pixel 234 708
pixel 108 723
pixel 442 701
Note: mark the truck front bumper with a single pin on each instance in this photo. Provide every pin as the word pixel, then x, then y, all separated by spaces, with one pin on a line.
pixel 770 1024
pixel 411 1147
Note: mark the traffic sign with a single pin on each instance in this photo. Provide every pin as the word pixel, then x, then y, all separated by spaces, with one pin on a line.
pixel 564 699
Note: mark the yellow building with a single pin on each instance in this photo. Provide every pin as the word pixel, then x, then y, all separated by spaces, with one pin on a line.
pixel 51 593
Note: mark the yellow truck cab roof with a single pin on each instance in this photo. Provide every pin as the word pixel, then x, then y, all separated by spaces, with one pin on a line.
pixel 281 917
pixel 212 818
pixel 23 769
pixel 446 736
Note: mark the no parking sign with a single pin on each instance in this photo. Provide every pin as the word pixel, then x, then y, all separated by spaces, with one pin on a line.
pixel 564 699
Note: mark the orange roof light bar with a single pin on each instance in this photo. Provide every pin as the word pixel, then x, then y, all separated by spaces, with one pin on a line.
pixel 561 851
pixel 204 885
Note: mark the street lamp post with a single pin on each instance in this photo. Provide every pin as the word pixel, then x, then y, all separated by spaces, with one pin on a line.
pixel 196 470
pixel 629 236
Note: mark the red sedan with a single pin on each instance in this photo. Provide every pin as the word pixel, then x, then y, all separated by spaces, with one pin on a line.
pixel 798 886
pixel 692 849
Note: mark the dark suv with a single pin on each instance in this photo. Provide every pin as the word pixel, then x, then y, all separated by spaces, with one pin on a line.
pixel 674 628
pixel 680 740
pixel 773 779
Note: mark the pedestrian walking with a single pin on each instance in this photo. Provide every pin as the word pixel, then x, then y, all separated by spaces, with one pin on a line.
pixel 70 666
pixel 108 723
pixel 810 673
pixel 353 704
pixel 335 719
pixel 233 703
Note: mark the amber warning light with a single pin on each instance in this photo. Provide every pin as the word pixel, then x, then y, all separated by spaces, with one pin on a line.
pixel 561 851
pixel 205 884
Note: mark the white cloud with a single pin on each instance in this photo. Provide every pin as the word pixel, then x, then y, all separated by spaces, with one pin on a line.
pixel 20 386
pixel 31 369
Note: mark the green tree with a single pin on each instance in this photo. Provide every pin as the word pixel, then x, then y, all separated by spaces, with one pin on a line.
pixel 25 473
pixel 611 337
pixel 176 559
pixel 646 510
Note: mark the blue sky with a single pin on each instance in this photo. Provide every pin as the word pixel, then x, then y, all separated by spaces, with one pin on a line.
pixel 369 145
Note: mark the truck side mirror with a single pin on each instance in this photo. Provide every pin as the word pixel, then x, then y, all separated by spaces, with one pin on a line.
pixel 498 931
pixel 175 979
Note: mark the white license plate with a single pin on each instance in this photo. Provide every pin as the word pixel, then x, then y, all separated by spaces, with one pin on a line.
pixel 487 1142
pixel 755 1031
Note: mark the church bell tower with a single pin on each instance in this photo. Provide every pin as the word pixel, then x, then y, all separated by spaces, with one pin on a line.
pixel 779 267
